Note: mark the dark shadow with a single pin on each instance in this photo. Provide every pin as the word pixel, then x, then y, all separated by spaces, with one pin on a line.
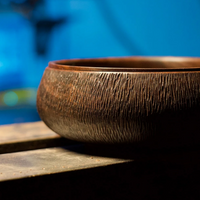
pixel 133 152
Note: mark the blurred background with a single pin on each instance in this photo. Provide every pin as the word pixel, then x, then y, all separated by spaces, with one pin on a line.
pixel 34 32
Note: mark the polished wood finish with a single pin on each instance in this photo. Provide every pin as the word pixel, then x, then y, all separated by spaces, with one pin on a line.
pixel 146 101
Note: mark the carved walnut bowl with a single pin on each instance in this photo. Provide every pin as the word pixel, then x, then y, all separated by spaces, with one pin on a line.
pixel 141 100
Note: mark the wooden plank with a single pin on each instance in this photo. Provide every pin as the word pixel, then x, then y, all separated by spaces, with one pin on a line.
pixel 49 161
pixel 25 132
pixel 27 136
pixel 74 175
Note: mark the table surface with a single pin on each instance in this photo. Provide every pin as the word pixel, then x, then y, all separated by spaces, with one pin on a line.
pixel 42 159
pixel 34 159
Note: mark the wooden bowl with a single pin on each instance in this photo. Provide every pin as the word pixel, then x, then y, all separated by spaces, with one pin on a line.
pixel 142 100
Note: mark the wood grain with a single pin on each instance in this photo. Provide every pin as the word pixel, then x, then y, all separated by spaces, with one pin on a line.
pixel 47 161
pixel 27 136
pixel 24 132
pixel 156 108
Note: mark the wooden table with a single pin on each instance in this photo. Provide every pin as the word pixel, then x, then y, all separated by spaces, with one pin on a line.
pixel 36 163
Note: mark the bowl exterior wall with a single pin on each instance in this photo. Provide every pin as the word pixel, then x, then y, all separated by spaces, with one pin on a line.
pixel 158 108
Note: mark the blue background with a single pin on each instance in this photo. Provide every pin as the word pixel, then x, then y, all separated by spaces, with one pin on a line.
pixel 34 32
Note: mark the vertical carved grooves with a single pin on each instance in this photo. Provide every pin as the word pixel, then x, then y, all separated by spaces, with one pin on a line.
pixel 115 107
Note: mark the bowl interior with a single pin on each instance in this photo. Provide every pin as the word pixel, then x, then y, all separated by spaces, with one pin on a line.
pixel 130 64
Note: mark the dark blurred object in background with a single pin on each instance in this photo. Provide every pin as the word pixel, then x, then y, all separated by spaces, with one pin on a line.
pixel 33 32
pixel 25 30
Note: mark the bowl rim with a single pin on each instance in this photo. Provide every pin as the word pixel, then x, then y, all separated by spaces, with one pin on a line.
pixel 166 64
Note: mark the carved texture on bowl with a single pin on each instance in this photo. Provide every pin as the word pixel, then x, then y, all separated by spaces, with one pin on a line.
pixel 119 107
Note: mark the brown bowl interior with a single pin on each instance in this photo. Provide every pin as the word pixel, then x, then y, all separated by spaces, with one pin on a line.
pixel 129 64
